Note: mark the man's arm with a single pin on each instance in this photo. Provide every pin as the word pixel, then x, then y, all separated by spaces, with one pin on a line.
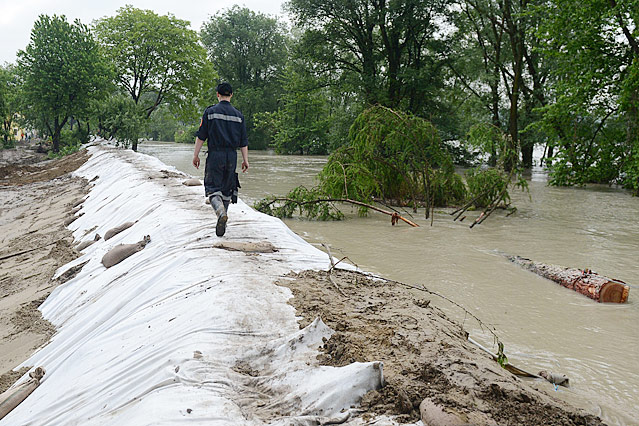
pixel 196 155
pixel 245 163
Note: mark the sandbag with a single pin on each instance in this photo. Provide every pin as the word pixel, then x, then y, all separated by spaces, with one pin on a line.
pixel 192 182
pixel 120 252
pixel 555 379
pixel 71 218
pixel 434 415
pixel 247 247
pixel 11 398
pixel 86 244
pixel 115 231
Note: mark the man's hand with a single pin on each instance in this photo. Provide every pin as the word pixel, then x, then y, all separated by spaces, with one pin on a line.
pixel 196 154
pixel 245 164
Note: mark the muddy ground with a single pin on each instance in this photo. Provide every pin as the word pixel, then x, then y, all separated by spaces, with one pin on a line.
pixel 37 197
pixel 427 358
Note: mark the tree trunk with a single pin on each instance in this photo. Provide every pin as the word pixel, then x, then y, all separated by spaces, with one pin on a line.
pixel 551 153
pixel 56 135
pixel 516 34
pixel 586 282
pixel 527 154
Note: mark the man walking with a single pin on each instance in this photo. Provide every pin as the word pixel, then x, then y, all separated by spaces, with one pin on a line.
pixel 224 128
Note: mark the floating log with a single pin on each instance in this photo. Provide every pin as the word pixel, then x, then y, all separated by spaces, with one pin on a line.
pixel 584 281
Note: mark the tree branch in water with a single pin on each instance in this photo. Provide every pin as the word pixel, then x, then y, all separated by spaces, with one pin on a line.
pixel 395 217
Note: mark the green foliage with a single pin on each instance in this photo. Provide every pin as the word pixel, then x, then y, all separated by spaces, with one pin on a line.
pixel 8 144
pixel 485 186
pixel 488 188
pixel 448 188
pixel 121 119
pixel 631 172
pixel 502 359
pixel 630 104
pixel 302 123
pixel 386 51
pixel 497 67
pixel 186 134
pixel 393 156
pixel 157 59
pixel 491 141
pixel 10 94
pixel 162 125
pixel 63 72
pixel 302 200
pixel 593 121
pixel 588 148
pixel 486 138
pixel 249 50
pixel 70 142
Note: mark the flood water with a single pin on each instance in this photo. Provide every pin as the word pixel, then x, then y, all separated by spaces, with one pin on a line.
pixel 543 326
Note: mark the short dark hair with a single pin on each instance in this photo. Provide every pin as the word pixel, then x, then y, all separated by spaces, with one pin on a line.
pixel 224 89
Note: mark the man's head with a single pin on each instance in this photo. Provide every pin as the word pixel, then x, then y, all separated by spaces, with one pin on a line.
pixel 224 91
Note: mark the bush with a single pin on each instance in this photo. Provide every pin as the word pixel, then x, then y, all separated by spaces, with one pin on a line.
pixel 484 186
pixel 396 157
pixel 392 157
pixel 70 141
pixel 10 143
pixel 186 134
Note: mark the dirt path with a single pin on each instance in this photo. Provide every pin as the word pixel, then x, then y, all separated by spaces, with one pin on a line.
pixel 426 356
pixel 36 201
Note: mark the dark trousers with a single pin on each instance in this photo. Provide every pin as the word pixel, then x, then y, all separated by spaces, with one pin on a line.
pixel 219 174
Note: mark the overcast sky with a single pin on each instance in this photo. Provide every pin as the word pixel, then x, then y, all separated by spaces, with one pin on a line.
pixel 17 16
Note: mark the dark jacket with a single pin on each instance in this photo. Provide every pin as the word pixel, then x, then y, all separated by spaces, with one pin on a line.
pixel 223 127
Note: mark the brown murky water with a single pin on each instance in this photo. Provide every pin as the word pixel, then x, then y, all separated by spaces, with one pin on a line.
pixel 542 325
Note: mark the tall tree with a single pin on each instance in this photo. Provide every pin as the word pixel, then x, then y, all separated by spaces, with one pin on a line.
pixel 502 34
pixel 10 89
pixel 390 48
pixel 157 58
pixel 249 50
pixel 302 123
pixel 63 71
pixel 595 110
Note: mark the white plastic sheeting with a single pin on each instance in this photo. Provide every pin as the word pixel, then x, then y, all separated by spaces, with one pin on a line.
pixel 181 331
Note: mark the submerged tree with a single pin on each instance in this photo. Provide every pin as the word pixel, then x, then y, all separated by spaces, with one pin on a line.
pixel 63 71
pixel 488 188
pixel 392 158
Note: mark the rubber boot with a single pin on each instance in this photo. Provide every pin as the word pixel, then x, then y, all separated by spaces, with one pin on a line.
pixel 220 211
